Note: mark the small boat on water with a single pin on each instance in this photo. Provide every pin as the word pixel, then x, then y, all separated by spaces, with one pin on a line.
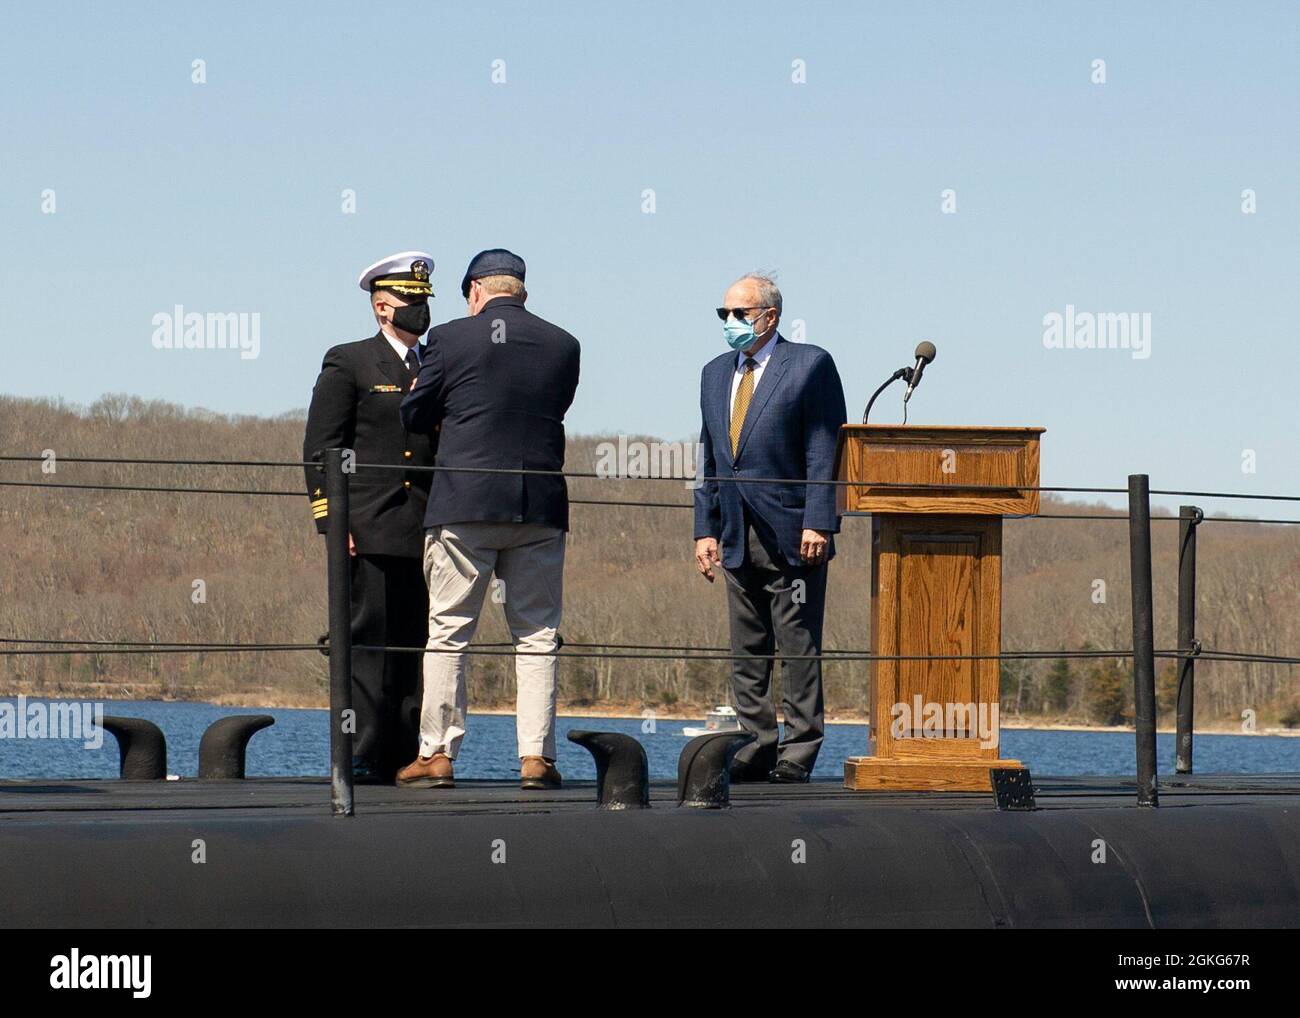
pixel 721 719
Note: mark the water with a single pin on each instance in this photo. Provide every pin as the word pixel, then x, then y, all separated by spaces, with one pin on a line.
pixel 298 744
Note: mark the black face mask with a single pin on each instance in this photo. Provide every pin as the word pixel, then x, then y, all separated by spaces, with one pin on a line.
pixel 414 318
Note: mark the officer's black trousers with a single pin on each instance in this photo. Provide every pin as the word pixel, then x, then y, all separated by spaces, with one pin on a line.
pixel 390 607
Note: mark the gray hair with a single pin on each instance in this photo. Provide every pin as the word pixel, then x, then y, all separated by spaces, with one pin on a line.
pixel 512 286
pixel 768 292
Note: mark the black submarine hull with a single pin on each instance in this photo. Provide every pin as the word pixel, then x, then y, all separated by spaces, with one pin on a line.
pixel 266 853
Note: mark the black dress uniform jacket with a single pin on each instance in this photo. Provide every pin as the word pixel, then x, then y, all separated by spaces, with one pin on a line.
pixel 355 406
pixel 499 384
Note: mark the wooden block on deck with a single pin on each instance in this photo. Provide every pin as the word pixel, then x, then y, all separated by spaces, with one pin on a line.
pixel 919 775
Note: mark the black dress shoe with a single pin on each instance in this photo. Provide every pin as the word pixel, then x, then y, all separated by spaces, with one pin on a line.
pixel 747 771
pixel 787 772
pixel 366 773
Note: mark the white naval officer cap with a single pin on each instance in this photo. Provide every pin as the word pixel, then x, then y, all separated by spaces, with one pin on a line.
pixel 406 273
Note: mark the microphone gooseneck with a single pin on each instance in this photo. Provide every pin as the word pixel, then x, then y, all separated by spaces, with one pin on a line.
pixel 900 373
pixel 924 354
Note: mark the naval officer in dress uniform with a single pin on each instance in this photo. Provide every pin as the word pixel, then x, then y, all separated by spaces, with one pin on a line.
pixel 355 406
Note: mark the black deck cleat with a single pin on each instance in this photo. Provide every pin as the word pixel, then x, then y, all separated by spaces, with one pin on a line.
pixel 622 769
pixel 142 748
pixel 1013 788
pixel 221 750
pixel 704 769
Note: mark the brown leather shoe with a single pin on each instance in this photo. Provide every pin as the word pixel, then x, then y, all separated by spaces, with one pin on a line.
pixel 537 772
pixel 428 772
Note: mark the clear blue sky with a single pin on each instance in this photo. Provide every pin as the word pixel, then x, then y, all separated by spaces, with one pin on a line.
pixel 1126 196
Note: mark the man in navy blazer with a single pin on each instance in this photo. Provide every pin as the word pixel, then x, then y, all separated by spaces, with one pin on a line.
pixel 497 384
pixel 771 409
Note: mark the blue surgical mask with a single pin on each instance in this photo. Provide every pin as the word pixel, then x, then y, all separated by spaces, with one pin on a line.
pixel 740 335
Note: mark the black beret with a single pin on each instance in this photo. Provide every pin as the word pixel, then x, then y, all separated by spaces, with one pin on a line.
pixel 495 261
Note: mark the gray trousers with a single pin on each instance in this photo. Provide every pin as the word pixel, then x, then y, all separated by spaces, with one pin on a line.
pixel 774 606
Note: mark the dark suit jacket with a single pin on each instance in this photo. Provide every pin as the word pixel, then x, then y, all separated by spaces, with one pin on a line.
pixel 355 406
pixel 499 383
pixel 789 432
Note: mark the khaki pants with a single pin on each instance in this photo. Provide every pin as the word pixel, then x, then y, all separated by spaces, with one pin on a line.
pixel 459 560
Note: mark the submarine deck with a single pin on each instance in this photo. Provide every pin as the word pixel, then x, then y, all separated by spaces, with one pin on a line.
pixel 1220 851
pixel 51 799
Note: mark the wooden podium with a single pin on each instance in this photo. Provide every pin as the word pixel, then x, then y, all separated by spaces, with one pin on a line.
pixel 936 588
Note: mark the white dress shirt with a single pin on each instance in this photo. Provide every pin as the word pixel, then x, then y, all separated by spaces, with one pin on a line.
pixel 761 358
pixel 400 348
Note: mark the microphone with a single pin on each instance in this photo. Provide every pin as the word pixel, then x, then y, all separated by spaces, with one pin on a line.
pixel 924 355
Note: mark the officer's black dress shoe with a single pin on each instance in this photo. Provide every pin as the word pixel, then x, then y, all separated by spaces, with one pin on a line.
pixel 366 773
pixel 787 772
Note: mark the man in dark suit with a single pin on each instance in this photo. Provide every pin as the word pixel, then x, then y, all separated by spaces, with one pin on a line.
pixel 499 384
pixel 355 406
pixel 771 409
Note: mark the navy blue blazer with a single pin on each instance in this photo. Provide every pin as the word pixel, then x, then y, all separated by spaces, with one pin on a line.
pixel 499 383
pixel 789 432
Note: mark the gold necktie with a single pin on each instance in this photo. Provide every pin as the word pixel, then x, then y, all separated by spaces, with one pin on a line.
pixel 744 393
